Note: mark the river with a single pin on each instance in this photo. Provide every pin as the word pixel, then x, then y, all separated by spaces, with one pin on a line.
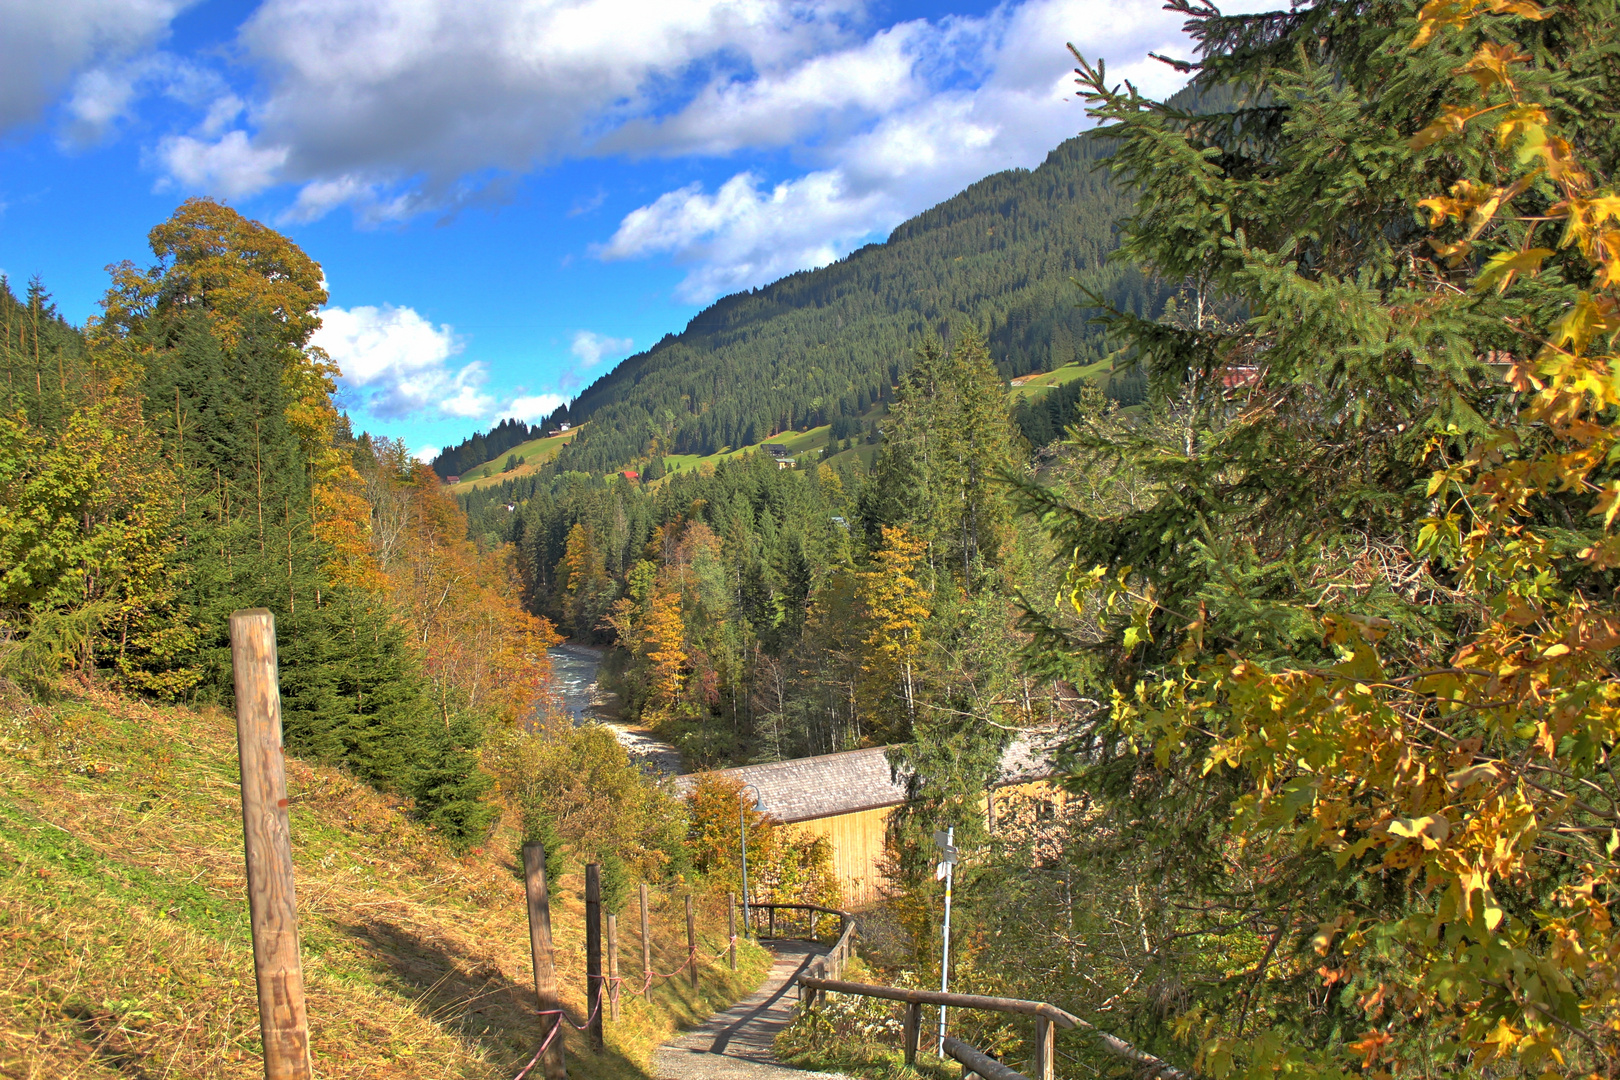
pixel 575 669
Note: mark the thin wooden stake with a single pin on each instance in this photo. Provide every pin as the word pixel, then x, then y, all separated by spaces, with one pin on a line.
pixel 613 966
pixel 545 971
pixel 691 941
pixel 646 945
pixel 731 928
pixel 1044 1065
pixel 267 841
pixel 594 996
pixel 913 1030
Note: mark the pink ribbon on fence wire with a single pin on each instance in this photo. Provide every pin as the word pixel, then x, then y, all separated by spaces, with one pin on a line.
pixel 556 1027
pixel 615 981
pixel 532 1061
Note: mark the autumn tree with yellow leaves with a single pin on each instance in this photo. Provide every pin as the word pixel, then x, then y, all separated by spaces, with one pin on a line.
pixel 894 605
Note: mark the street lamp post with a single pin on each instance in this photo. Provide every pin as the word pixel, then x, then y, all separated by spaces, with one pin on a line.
pixel 742 824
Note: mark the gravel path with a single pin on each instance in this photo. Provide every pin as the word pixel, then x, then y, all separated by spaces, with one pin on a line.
pixel 737 1044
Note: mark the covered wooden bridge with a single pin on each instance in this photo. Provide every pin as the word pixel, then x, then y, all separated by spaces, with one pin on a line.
pixel 848 797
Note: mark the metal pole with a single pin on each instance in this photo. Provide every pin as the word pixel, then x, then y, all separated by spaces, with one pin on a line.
pixel 267 842
pixel 742 824
pixel 613 965
pixel 945 953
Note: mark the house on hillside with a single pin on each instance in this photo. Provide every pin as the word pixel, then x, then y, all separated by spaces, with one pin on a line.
pixel 630 475
pixel 452 479
pixel 776 450
pixel 848 797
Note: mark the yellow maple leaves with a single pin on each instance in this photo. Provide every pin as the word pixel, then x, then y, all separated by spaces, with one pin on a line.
pixel 1439 15
pixel 1481 782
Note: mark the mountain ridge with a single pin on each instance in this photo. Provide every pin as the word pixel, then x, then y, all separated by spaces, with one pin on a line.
pixel 1004 254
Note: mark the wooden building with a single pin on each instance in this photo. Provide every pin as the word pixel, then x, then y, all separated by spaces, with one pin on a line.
pixel 848 797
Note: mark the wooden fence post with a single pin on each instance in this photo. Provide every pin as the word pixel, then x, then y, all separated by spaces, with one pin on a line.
pixel 267 842
pixel 913 1030
pixel 595 1001
pixel 731 928
pixel 545 971
pixel 613 965
pixel 773 922
pixel 1043 1066
pixel 646 946
pixel 691 941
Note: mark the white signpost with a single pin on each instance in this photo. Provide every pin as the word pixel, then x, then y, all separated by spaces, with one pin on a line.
pixel 946 842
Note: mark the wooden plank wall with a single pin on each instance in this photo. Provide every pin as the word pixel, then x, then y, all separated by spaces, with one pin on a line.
pixel 857 838
pixel 857 848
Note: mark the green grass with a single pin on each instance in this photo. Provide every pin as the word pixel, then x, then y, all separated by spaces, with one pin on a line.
pixel 535 452
pixel 124 928
pixel 1035 387
pixel 804 446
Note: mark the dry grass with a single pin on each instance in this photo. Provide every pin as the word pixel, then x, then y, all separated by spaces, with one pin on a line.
pixel 124 945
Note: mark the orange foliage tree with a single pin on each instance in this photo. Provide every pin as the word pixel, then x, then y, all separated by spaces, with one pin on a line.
pixel 783 865
pixel 460 603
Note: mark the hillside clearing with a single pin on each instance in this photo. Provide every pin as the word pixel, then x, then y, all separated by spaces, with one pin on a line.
pixel 535 453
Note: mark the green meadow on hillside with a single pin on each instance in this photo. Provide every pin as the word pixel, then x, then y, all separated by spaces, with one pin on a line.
pixel 534 453
pixel 124 932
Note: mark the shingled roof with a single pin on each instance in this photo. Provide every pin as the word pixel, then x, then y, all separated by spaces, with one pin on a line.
pixel 845 783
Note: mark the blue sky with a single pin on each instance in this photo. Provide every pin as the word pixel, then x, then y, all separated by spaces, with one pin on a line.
pixel 507 198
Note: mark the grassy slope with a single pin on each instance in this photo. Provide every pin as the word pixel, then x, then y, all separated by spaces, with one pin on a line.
pixel 1034 387
pixel 124 940
pixel 796 442
pixel 535 452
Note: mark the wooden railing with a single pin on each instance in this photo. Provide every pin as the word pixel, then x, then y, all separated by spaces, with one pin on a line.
pixel 1048 1018
pixel 830 966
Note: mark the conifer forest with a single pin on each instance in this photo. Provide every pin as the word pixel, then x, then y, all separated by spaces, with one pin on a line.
pixel 1305 558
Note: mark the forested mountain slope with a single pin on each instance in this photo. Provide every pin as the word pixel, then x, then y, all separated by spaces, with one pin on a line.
pixel 830 342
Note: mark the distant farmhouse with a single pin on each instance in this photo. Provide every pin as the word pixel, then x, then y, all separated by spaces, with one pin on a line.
pixel 848 797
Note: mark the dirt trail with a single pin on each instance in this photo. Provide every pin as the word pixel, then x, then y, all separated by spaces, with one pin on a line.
pixel 737 1044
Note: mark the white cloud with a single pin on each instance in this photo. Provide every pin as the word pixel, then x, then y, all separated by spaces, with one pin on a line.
pixel 101 98
pixel 394 108
pixel 590 348
pixel 533 408
pixel 399 364
pixel 425 454
pixel 418 103
pixel 104 96
pixel 742 234
pixel 230 166
pixel 46 41
pixel 930 130
pixel 780 107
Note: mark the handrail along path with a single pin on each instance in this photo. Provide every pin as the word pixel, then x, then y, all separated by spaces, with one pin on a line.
pixel 822 978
